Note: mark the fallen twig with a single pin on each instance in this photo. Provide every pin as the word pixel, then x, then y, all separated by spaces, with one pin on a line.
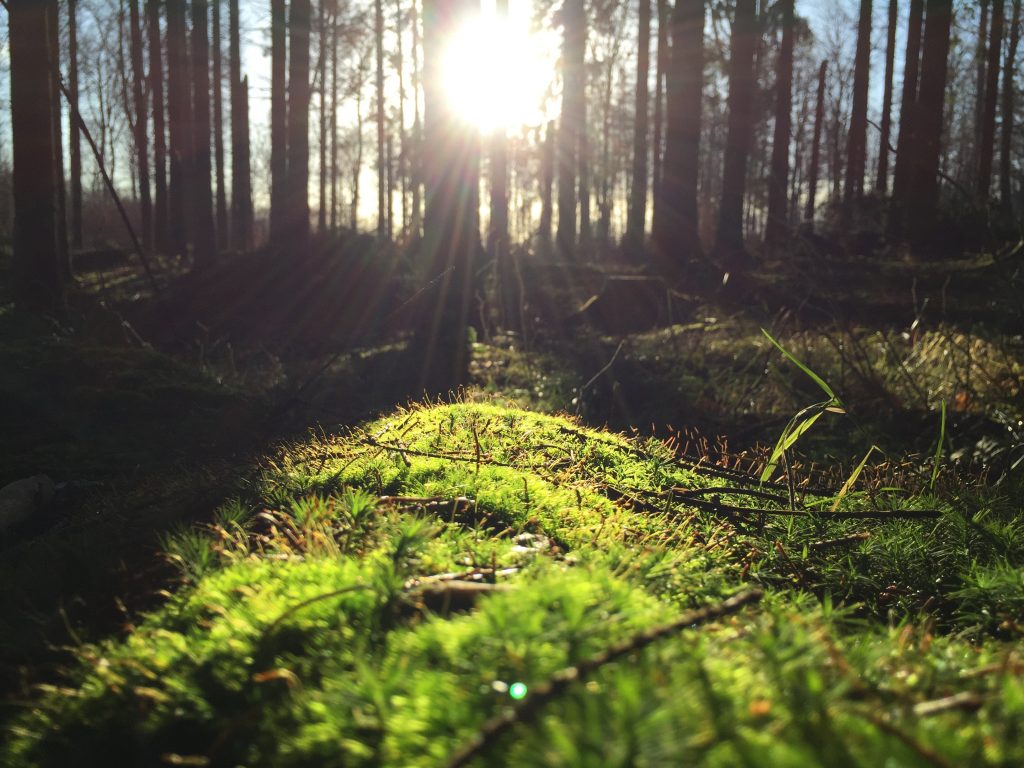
pixel 965 700
pixel 529 708
pixel 853 538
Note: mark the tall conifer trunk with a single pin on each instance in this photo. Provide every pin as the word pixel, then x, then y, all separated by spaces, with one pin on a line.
pixel 777 227
pixel 1006 137
pixel 74 132
pixel 299 24
pixel 241 184
pixel 141 124
pixel 815 162
pixel 856 147
pixel 218 131
pixel 179 111
pixel 278 123
pixel 906 146
pixel 988 117
pixel 204 239
pixel 638 189
pixel 882 177
pixel 156 94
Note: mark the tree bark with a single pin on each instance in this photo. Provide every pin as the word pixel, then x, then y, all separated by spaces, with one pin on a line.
pixel 906 147
pixel 547 180
pixel 882 177
pixel 417 129
pixel 657 151
pixel 729 244
pixel 980 57
pixel 1006 138
pixel 37 272
pixel 451 172
pixel 179 112
pixel 334 114
pixel 813 171
pixel 299 22
pixel 856 146
pixel 777 227
pixel 156 91
pixel 570 124
pixel 636 220
pixel 141 125
pixel 75 135
pixel 218 132
pixel 923 190
pixel 204 238
pixel 278 123
pixel 321 213
pixel 497 231
pixel 676 238
pixel 241 183
pixel 988 119
pixel 382 180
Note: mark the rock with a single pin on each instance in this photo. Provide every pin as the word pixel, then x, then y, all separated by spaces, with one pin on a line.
pixel 24 498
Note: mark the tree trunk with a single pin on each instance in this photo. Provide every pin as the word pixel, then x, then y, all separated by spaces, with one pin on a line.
pixel 334 114
pixel 906 146
pixel 403 148
pixel 37 272
pixel 547 180
pixel 813 171
pixel 676 238
pixel 179 128
pixel 279 200
pixel 923 193
pixel 204 240
pixel 570 124
pixel 729 244
pixel 417 129
pixel 1006 138
pixel 882 178
pixel 75 134
pixel 497 232
pixel 777 227
pixel 299 21
pixel 218 132
pixel 321 213
pixel 636 220
pixel 241 184
pixel 156 91
pixel 661 65
pixel 382 181
pixel 988 117
pixel 980 57
pixel 856 142
pixel 53 24
pixel 451 237
pixel 141 124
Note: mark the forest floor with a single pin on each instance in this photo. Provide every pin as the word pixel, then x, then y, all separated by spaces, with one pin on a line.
pixel 264 550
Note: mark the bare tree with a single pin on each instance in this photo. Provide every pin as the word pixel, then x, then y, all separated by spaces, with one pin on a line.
pixel 778 182
pixel 36 268
pixel 451 236
pixel 988 119
pixel 156 92
pixel 856 147
pixel 729 244
pixel 141 124
pixel 1006 139
pixel 279 214
pixel 75 148
pixel 815 162
pixel 299 22
pixel 882 177
pixel 924 180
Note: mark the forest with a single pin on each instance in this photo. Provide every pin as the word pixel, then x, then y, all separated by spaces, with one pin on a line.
pixel 511 382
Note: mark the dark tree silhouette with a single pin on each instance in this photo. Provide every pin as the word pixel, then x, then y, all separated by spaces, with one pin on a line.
pixel 664 14
pixel 906 143
pixel 675 238
pixel 815 162
pixel 856 147
pixel 141 133
pixel 218 130
pixel 986 151
pixel 37 271
pixel 278 123
pixel 882 177
pixel 451 239
pixel 570 126
pixel 241 184
pixel 777 227
pixel 382 163
pixel 156 92
pixel 204 240
pixel 923 193
pixel 547 180
pixel 179 128
pixel 1006 137
pixel 75 143
pixel 729 246
pixel 299 24
pixel 638 190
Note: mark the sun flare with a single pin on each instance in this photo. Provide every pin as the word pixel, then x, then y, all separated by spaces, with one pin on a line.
pixel 497 72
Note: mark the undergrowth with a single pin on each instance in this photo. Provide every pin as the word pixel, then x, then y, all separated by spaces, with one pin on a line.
pixel 377 596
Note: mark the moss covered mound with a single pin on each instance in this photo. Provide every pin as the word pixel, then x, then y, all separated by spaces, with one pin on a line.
pixel 388 593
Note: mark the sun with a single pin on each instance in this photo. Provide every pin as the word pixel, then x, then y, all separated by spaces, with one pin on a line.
pixel 497 72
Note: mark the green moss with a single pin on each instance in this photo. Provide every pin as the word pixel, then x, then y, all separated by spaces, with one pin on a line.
pixel 310 636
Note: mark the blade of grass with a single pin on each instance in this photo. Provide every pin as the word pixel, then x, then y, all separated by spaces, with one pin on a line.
pixel 853 478
pixel 815 377
pixel 938 447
